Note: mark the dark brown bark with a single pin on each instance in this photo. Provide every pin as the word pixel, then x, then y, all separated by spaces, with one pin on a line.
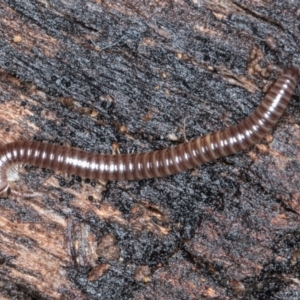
pixel 127 75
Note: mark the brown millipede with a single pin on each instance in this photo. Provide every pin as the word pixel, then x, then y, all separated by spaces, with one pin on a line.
pixel 157 163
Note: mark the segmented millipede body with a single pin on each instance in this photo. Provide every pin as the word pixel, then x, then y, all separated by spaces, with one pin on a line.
pixel 157 163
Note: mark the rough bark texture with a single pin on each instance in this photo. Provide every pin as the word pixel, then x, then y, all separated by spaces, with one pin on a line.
pixel 94 73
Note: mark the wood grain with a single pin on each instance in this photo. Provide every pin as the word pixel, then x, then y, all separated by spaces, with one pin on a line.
pixel 129 76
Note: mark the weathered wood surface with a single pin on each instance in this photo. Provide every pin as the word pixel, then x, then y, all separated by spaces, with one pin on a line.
pixel 93 73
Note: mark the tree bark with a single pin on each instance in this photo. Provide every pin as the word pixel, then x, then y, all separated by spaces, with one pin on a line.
pixel 131 76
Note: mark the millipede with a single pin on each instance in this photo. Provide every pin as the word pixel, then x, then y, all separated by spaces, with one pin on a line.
pixel 158 163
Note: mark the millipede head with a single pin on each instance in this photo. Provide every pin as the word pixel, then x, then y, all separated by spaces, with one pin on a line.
pixel 292 71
